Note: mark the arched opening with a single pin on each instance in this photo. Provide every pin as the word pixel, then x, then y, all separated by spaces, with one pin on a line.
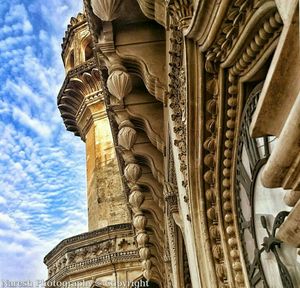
pixel 88 51
pixel 71 61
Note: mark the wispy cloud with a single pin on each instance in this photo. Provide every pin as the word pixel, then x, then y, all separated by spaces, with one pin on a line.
pixel 42 167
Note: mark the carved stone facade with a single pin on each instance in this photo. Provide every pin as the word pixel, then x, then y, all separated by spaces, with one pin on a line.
pixel 200 101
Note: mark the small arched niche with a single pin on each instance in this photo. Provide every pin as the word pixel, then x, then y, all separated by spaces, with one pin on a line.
pixel 70 61
pixel 88 48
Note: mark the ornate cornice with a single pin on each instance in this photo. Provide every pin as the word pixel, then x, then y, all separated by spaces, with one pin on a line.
pixel 135 155
pixel 108 259
pixel 87 236
pixel 80 89
pixel 106 246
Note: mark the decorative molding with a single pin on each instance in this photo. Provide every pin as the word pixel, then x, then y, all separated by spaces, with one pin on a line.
pixel 266 34
pixel 223 235
pixel 177 96
pixel 126 227
pixel 231 26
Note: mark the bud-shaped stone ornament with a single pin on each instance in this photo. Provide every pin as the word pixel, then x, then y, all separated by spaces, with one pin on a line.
pixel 147 274
pixel 136 199
pixel 127 137
pixel 145 253
pixel 119 84
pixel 106 10
pixel 133 172
pixel 146 264
pixel 140 222
pixel 142 239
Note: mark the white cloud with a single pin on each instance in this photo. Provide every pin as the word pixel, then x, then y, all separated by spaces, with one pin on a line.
pixel 2 200
pixel 12 41
pixel 23 91
pixel 6 220
pixel 17 20
pixel 39 127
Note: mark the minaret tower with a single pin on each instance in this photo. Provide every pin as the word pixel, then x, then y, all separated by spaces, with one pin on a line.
pixel 108 253
pixel 82 107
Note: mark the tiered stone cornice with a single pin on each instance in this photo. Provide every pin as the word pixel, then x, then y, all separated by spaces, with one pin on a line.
pixel 80 89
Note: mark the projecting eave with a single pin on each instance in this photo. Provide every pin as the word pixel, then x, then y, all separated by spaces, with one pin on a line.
pixel 81 85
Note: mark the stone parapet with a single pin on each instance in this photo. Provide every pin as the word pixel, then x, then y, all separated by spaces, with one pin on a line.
pixel 101 248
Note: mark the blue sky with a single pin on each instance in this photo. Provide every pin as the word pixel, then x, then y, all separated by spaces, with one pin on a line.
pixel 42 166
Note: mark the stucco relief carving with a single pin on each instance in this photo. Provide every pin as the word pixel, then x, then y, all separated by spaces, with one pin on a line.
pixel 181 11
pixel 177 96
pixel 82 254
pixel 236 16
pixel 171 197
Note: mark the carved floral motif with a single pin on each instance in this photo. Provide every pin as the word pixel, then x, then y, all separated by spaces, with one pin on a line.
pixel 236 17
pixel 181 11
pixel 177 96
